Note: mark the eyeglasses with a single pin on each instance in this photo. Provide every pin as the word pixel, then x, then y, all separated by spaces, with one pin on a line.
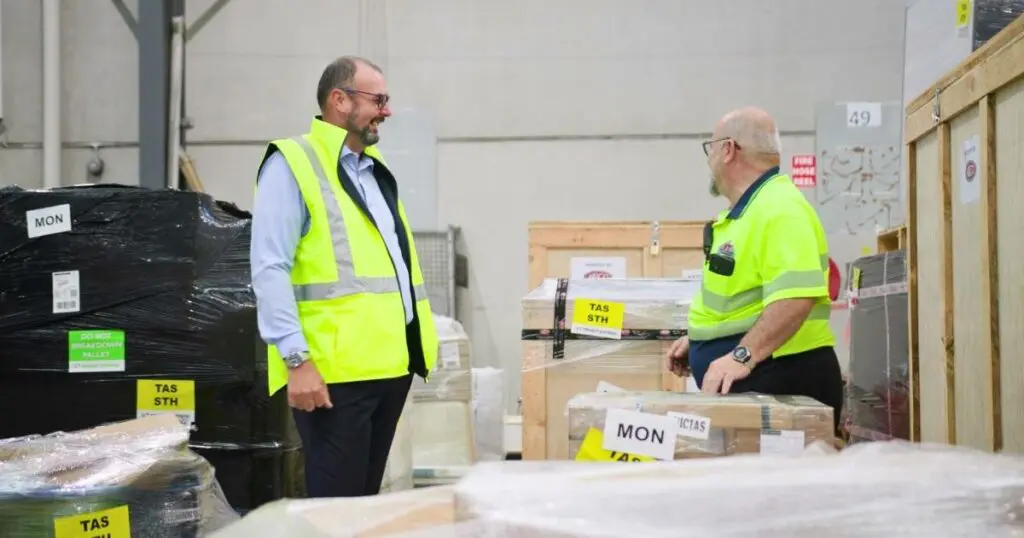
pixel 379 99
pixel 707 145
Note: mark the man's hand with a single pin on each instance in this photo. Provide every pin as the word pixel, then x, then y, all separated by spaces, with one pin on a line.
pixel 677 359
pixel 306 388
pixel 722 373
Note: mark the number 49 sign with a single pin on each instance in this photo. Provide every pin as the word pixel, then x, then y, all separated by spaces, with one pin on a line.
pixel 863 114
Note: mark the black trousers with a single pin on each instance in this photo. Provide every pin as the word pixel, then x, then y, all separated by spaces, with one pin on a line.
pixel 814 373
pixel 346 447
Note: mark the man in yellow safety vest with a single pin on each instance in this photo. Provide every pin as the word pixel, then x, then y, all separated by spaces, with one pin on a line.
pixel 340 296
pixel 761 320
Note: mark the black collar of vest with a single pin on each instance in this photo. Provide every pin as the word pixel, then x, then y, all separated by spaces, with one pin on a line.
pixel 748 195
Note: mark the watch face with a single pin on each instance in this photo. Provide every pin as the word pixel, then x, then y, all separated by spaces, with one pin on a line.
pixel 741 354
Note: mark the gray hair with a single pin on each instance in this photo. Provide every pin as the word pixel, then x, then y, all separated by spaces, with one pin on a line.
pixel 339 74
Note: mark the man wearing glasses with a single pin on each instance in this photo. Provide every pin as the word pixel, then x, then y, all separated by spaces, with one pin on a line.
pixel 340 296
pixel 761 320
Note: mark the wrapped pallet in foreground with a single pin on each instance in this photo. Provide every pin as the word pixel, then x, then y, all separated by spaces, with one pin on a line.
pixel 866 491
pixel 586 335
pixel 133 478
pixel 645 426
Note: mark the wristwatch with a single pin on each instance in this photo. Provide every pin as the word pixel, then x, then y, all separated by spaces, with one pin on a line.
pixel 742 355
pixel 294 360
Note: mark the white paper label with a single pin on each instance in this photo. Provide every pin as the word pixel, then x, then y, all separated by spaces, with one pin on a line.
pixel 693 426
pixel 581 268
pixel 66 292
pixel 693 275
pixel 48 220
pixel 634 432
pixel 450 359
pixel 604 386
pixel 691 384
pixel 863 114
pixel 782 443
pixel 970 172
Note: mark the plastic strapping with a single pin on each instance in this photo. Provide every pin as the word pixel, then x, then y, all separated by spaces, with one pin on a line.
pixel 561 294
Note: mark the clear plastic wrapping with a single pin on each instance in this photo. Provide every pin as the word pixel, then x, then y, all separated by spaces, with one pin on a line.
pixel 489 414
pixel 878 380
pixel 865 491
pixel 132 478
pixel 450 380
pixel 109 292
pixel 602 426
pixel 598 334
pixel 398 473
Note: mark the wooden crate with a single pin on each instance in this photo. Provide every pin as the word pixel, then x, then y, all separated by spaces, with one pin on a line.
pixel 655 314
pixel 651 249
pixel 965 250
pixel 892 239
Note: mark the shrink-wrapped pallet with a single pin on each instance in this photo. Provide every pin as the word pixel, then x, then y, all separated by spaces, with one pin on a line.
pixel 442 418
pixel 645 426
pixel 599 334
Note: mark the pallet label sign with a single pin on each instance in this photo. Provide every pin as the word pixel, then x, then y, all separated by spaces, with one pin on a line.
pixel 804 171
pixel 48 220
pixel 639 433
pixel 167 397
pixel 110 523
pixel 96 351
pixel 600 319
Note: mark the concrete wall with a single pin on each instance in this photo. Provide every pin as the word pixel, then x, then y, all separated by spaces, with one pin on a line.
pixel 566 109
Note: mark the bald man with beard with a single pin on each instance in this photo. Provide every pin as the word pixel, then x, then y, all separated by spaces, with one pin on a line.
pixel 761 320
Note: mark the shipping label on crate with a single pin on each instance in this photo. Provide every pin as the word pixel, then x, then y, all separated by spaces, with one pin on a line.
pixel 109 523
pixel 600 319
pixel 48 220
pixel 782 443
pixel 591 450
pixel 450 359
pixel 166 397
pixel 96 351
pixel 694 426
pixel 66 292
pixel 639 433
pixel 583 268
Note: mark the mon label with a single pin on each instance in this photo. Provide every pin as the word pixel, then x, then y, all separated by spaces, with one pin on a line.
pixel 48 220
pixel 110 523
pixel 166 397
pixel 96 351
pixel 601 319
pixel 644 434
pixel 591 450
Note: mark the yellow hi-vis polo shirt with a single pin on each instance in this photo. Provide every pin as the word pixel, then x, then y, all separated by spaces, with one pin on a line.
pixel 769 246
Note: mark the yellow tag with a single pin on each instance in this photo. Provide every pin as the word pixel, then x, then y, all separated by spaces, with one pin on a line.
pixel 963 13
pixel 159 396
pixel 602 319
pixel 591 450
pixel 855 278
pixel 865 251
pixel 110 523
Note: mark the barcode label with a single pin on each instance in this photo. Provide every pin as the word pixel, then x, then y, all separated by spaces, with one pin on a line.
pixel 65 292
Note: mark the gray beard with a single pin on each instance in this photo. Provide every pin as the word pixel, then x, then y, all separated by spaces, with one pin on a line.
pixel 368 137
pixel 713 188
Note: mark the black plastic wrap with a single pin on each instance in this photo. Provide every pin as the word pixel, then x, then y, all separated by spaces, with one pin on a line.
pixel 879 381
pixel 991 16
pixel 113 480
pixel 171 270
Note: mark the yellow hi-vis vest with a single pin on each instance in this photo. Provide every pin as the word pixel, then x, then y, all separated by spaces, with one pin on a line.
pixel 346 289
pixel 780 252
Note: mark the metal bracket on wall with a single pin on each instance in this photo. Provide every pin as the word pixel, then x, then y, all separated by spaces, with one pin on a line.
pixel 936 111
pixel 202 20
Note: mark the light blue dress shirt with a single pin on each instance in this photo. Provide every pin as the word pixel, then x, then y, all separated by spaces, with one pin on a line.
pixel 279 220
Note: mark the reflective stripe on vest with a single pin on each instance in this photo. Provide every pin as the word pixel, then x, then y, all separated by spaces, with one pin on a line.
pixel 820 312
pixel 792 279
pixel 348 283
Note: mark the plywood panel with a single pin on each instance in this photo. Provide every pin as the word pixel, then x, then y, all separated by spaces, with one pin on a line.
pixel 929 225
pixel 1009 174
pixel 971 373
